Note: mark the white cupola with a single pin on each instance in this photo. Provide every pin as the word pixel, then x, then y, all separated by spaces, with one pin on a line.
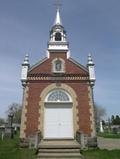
pixel 91 68
pixel 25 67
pixel 58 38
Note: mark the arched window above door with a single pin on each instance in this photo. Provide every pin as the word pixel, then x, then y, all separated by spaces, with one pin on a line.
pixel 58 95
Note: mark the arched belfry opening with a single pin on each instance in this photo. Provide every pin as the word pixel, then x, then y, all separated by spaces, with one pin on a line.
pixel 58 115
pixel 58 36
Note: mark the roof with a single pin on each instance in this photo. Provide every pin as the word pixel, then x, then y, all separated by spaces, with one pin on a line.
pixel 70 59
pixel 37 64
pixel 79 65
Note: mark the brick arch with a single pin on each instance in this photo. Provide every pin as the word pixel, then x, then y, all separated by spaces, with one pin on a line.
pixel 42 100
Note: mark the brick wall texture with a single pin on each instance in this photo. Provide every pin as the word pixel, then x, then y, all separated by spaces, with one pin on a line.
pixel 37 86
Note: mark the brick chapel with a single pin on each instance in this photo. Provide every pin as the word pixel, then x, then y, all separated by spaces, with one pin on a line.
pixel 57 92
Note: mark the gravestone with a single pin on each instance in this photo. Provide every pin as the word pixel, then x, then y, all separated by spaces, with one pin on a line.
pixel 9 131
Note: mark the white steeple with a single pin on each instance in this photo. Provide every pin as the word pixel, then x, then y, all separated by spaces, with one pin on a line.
pixel 58 18
pixel 58 38
pixel 91 69
pixel 25 67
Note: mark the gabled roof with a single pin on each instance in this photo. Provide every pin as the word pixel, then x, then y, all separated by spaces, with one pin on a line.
pixel 78 64
pixel 70 59
pixel 38 63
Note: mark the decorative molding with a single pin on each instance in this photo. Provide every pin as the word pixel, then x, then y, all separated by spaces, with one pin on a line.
pixel 58 46
pixel 24 112
pixel 92 116
pixel 75 106
pixel 58 78
pixel 42 102
pixel 54 65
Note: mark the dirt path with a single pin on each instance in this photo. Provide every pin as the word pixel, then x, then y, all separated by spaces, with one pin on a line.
pixel 110 144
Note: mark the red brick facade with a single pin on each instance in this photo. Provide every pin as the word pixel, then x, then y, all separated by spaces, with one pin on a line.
pixel 40 76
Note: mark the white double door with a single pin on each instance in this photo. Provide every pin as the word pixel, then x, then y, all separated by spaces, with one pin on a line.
pixel 58 121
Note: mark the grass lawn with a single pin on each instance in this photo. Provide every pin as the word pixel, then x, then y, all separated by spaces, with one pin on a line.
pixel 9 149
pixel 109 135
pixel 101 154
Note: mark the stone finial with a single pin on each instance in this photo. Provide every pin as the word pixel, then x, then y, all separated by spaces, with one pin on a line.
pixel 24 72
pixel 90 61
pixel 26 59
pixel 91 68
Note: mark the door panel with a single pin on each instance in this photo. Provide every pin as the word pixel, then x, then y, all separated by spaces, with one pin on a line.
pixel 58 121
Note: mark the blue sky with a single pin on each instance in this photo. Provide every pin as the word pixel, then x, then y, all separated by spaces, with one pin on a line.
pixel 93 26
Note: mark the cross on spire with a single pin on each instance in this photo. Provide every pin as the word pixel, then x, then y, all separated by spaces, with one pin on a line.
pixel 58 4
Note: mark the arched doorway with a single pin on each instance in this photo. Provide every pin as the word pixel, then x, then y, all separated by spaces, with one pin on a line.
pixel 58 115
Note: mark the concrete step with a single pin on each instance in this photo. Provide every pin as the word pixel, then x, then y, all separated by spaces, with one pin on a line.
pixel 59 144
pixel 59 155
pixel 59 150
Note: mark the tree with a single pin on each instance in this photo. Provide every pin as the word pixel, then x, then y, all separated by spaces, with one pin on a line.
pixel 115 120
pixel 112 119
pixel 2 121
pixel 17 109
pixel 100 112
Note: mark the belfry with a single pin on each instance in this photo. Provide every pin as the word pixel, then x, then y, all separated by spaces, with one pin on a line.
pixel 58 93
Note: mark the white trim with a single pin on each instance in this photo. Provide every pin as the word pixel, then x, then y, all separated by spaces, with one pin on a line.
pixel 59 102
pixel 48 54
pixel 68 54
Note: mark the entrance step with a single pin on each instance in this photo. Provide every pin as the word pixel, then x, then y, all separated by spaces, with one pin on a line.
pixel 59 155
pixel 59 149
pixel 59 144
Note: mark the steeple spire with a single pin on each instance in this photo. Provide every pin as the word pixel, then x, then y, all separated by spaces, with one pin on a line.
pixel 58 37
pixel 58 18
